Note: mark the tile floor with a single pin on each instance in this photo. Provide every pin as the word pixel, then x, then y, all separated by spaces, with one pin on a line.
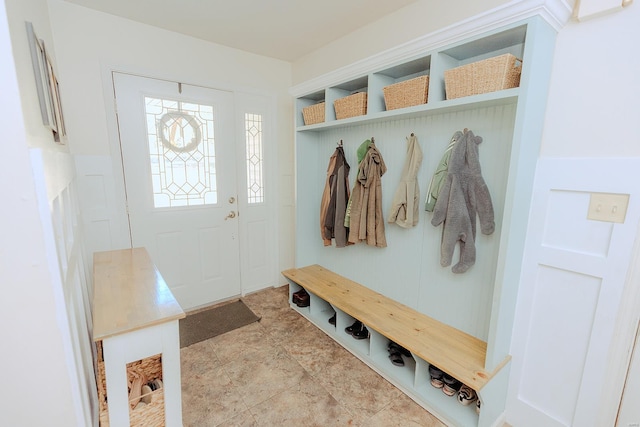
pixel 283 371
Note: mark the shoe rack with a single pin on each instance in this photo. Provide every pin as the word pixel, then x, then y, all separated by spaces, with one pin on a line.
pixel 429 341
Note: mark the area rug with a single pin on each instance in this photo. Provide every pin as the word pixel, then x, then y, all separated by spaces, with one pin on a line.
pixel 215 321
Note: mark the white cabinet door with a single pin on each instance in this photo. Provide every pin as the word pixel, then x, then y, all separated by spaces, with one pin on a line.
pixel 179 162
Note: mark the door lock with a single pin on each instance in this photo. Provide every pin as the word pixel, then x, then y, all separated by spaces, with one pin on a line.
pixel 232 214
pixel 232 200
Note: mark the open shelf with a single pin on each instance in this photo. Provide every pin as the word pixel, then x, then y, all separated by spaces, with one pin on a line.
pixel 503 97
pixel 456 353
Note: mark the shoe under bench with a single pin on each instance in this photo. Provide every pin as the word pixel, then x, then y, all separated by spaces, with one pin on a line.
pixel 429 341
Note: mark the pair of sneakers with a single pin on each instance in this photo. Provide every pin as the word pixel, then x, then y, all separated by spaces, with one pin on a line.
pixel 451 386
pixel 146 390
pixel 155 384
pixel 332 320
pixel 467 396
pixel 357 330
pixel 301 298
pixel 396 351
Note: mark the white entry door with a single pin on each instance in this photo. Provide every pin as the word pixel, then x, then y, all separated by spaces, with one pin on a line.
pixel 179 162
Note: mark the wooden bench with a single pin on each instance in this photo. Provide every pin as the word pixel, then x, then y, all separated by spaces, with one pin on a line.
pixel 135 317
pixel 453 351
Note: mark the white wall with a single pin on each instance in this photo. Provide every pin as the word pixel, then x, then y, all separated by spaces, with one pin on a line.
pixel 37 386
pixel 592 105
pixel 90 44
pixel 415 20
pixel 36 12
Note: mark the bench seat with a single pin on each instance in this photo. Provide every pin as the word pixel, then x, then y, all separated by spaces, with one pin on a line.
pixel 453 351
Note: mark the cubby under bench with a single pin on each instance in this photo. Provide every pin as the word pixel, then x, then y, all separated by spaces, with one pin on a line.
pixel 429 341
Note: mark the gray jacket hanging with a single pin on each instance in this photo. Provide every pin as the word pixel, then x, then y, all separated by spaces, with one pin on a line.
pixel 463 196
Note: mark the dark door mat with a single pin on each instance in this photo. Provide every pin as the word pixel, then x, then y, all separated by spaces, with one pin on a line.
pixel 215 321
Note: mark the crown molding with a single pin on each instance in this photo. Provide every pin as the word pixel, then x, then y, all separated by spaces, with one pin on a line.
pixel 555 12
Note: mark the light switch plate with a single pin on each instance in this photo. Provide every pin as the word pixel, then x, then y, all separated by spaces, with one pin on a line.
pixel 608 207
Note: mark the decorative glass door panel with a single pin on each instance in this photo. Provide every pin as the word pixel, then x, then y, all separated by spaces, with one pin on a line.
pixel 253 136
pixel 181 152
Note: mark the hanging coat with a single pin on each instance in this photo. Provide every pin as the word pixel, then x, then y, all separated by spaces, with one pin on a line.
pixel 334 200
pixel 367 222
pixel 404 207
pixel 464 198
pixel 360 152
pixel 440 175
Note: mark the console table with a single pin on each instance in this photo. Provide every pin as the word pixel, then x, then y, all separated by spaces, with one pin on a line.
pixel 135 316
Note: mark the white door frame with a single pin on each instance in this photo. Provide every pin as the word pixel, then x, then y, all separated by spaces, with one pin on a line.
pixel 625 354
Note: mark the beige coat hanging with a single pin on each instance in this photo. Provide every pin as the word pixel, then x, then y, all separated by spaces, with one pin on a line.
pixel 367 222
pixel 404 207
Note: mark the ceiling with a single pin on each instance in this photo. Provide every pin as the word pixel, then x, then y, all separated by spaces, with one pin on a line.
pixel 282 29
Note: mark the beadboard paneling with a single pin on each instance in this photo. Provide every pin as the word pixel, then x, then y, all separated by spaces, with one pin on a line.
pixel 408 269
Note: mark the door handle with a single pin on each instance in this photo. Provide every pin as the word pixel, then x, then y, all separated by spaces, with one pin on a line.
pixel 232 214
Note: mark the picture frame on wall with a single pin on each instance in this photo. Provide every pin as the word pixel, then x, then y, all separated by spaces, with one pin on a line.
pixel 54 86
pixel 47 86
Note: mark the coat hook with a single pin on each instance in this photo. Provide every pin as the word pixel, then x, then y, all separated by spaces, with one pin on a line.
pixel 179 87
pixel 372 140
pixel 412 134
pixel 340 143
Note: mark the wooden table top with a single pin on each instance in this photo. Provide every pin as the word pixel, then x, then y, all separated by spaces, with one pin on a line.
pixel 129 293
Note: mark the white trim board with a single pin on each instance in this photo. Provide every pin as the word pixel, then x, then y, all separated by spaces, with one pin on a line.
pixel 556 12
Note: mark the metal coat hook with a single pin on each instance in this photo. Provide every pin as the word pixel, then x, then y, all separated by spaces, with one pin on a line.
pixel 340 143
pixel 372 140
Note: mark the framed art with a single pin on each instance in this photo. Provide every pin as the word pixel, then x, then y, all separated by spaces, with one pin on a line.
pixel 54 91
pixel 47 86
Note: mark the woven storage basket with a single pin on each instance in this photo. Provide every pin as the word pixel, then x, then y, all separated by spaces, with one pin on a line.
pixel 351 106
pixel 149 415
pixel 489 75
pixel 313 114
pixel 407 93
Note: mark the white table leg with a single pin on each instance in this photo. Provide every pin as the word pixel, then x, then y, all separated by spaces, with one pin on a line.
pixel 171 375
pixel 115 370
pixel 136 345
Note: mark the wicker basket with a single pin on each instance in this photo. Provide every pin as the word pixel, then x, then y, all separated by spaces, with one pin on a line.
pixel 351 106
pixel 407 93
pixel 149 415
pixel 313 114
pixel 489 75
